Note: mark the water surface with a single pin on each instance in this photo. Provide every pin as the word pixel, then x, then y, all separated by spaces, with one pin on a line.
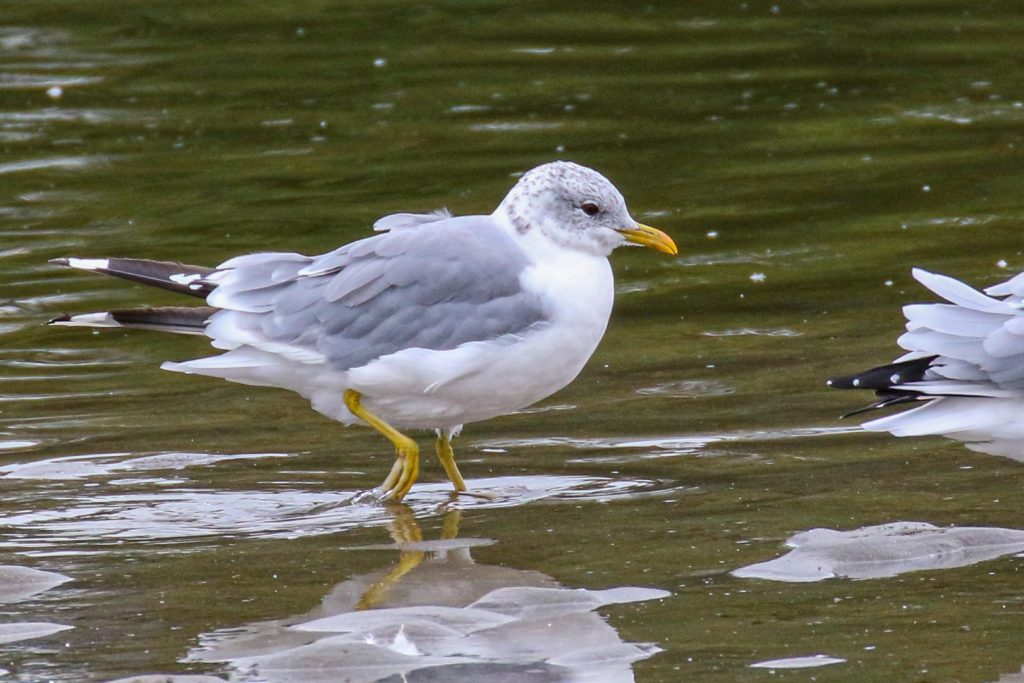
pixel 803 155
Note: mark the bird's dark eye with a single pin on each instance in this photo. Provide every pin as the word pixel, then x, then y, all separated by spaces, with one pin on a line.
pixel 590 208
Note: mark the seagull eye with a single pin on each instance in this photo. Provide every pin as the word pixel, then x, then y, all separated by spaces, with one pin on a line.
pixel 590 208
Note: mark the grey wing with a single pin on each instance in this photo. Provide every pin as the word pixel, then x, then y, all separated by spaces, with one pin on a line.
pixel 397 221
pixel 979 339
pixel 435 286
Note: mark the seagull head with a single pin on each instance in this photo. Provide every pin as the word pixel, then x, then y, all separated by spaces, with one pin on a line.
pixel 577 207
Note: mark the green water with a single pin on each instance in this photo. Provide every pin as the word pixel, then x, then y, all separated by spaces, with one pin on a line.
pixel 828 147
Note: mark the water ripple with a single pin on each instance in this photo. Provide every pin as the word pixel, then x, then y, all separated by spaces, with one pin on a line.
pixel 106 514
pixel 81 466
pixel 688 388
pixel 61 162
pixel 734 258
pixel 754 332
pixel 660 446
pixel 35 82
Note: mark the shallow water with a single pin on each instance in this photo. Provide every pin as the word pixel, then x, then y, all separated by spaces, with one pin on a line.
pixel 803 155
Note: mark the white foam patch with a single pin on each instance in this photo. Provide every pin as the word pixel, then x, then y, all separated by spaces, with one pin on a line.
pixel 89 263
pixel 403 646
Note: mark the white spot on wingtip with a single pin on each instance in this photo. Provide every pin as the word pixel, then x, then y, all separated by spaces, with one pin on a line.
pixel 89 263
pixel 856 382
pixel 183 279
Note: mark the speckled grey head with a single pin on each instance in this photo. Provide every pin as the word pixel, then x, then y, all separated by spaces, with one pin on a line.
pixel 573 205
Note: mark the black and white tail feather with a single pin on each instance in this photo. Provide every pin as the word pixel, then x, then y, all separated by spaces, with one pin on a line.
pixel 175 277
pixel 194 281
pixel 965 361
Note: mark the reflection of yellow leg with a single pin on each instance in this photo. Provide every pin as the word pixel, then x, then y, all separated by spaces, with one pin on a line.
pixel 450 525
pixel 447 457
pixel 404 529
pixel 407 466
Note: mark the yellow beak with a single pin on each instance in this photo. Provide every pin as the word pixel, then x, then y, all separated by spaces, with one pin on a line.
pixel 649 237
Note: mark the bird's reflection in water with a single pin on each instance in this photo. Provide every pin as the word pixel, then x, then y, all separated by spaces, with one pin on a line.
pixel 449 555
pixel 438 615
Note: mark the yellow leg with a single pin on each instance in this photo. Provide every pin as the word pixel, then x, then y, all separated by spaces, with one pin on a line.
pixel 407 464
pixel 393 475
pixel 447 457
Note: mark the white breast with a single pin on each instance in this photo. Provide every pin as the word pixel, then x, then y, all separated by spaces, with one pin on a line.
pixel 479 380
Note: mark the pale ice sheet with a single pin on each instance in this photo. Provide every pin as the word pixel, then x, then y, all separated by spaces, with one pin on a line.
pixel 26 630
pixel 98 464
pixel 812 661
pixel 883 551
pixel 447 618
pixel 20 583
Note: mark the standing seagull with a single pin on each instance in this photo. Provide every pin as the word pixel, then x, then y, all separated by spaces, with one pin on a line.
pixel 436 322
pixel 965 361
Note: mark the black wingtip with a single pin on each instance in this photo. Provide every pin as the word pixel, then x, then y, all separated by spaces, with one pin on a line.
pixel 884 376
pixel 865 409
pixel 862 380
pixel 160 274
pixel 892 397
pixel 885 381
pixel 846 382
pixel 62 318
